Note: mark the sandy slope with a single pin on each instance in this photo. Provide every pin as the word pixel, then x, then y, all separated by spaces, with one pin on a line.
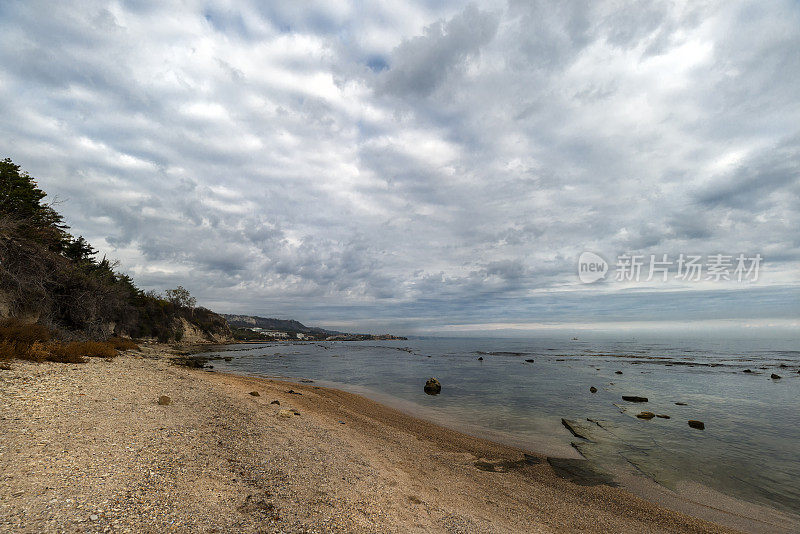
pixel 87 448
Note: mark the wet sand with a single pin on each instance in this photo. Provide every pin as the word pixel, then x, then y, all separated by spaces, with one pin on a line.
pixel 88 448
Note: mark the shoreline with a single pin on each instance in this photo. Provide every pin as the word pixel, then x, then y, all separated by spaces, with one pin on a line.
pixel 688 498
pixel 88 448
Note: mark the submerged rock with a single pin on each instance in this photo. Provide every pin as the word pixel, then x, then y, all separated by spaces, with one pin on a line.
pixel 645 415
pixel 580 472
pixel 634 398
pixel 699 425
pixel 572 427
pixel 593 389
pixel 432 387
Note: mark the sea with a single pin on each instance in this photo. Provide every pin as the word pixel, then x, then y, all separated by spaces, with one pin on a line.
pixel 518 391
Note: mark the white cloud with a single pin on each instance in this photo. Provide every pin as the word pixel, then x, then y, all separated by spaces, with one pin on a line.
pixel 414 163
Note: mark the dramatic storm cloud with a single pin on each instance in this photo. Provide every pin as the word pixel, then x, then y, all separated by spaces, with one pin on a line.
pixel 419 166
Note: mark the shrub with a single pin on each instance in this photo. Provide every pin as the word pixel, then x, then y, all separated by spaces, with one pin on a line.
pixel 65 353
pixel 16 331
pixel 121 343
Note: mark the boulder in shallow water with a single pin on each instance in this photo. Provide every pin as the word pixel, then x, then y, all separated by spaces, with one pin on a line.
pixel 775 377
pixel 593 389
pixel 747 371
pixel 699 425
pixel 662 416
pixel 529 361
pixel 617 372
pixel 645 415
pixel 480 358
pixel 681 404
pixel 432 387
pixel 634 398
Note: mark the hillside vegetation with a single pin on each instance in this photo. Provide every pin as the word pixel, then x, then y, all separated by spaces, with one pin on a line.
pixel 52 279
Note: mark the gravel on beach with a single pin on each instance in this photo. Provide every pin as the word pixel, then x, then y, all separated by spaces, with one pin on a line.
pixel 88 448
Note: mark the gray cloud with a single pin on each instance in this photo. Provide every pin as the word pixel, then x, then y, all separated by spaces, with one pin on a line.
pixel 418 164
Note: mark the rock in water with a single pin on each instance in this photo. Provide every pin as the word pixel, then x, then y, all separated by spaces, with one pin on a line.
pixel 529 361
pixel 775 377
pixel 699 425
pixel 163 400
pixel 433 387
pixel 634 398
pixel 480 358
pixel 617 372
pixel 255 394
pixel 662 416
pixel 645 415
pixel 593 389
pixel 747 371
pixel 681 404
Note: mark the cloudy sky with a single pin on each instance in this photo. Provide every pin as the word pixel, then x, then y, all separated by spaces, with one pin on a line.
pixel 424 166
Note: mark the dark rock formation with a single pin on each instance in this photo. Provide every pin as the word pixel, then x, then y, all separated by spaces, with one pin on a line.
pixel 432 387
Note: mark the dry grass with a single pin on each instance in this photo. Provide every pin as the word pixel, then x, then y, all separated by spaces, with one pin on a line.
pixel 32 342
pixel 16 331
pixel 121 343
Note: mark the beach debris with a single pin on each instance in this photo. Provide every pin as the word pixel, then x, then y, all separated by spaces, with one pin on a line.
pixel 432 386
pixel 662 416
pixel 255 393
pixel 529 361
pixel 645 415
pixel 681 404
pixel 775 377
pixel 634 398
pixel 617 372
pixel 593 389
pixel 163 400
pixel 699 425
pixel 276 402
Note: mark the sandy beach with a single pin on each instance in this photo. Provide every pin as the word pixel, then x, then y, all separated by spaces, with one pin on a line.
pixel 88 448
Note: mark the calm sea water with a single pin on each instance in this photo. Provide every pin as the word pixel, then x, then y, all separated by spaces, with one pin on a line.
pixel 750 447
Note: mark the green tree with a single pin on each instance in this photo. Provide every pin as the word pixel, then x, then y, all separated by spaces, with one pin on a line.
pixel 180 297
pixel 21 199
